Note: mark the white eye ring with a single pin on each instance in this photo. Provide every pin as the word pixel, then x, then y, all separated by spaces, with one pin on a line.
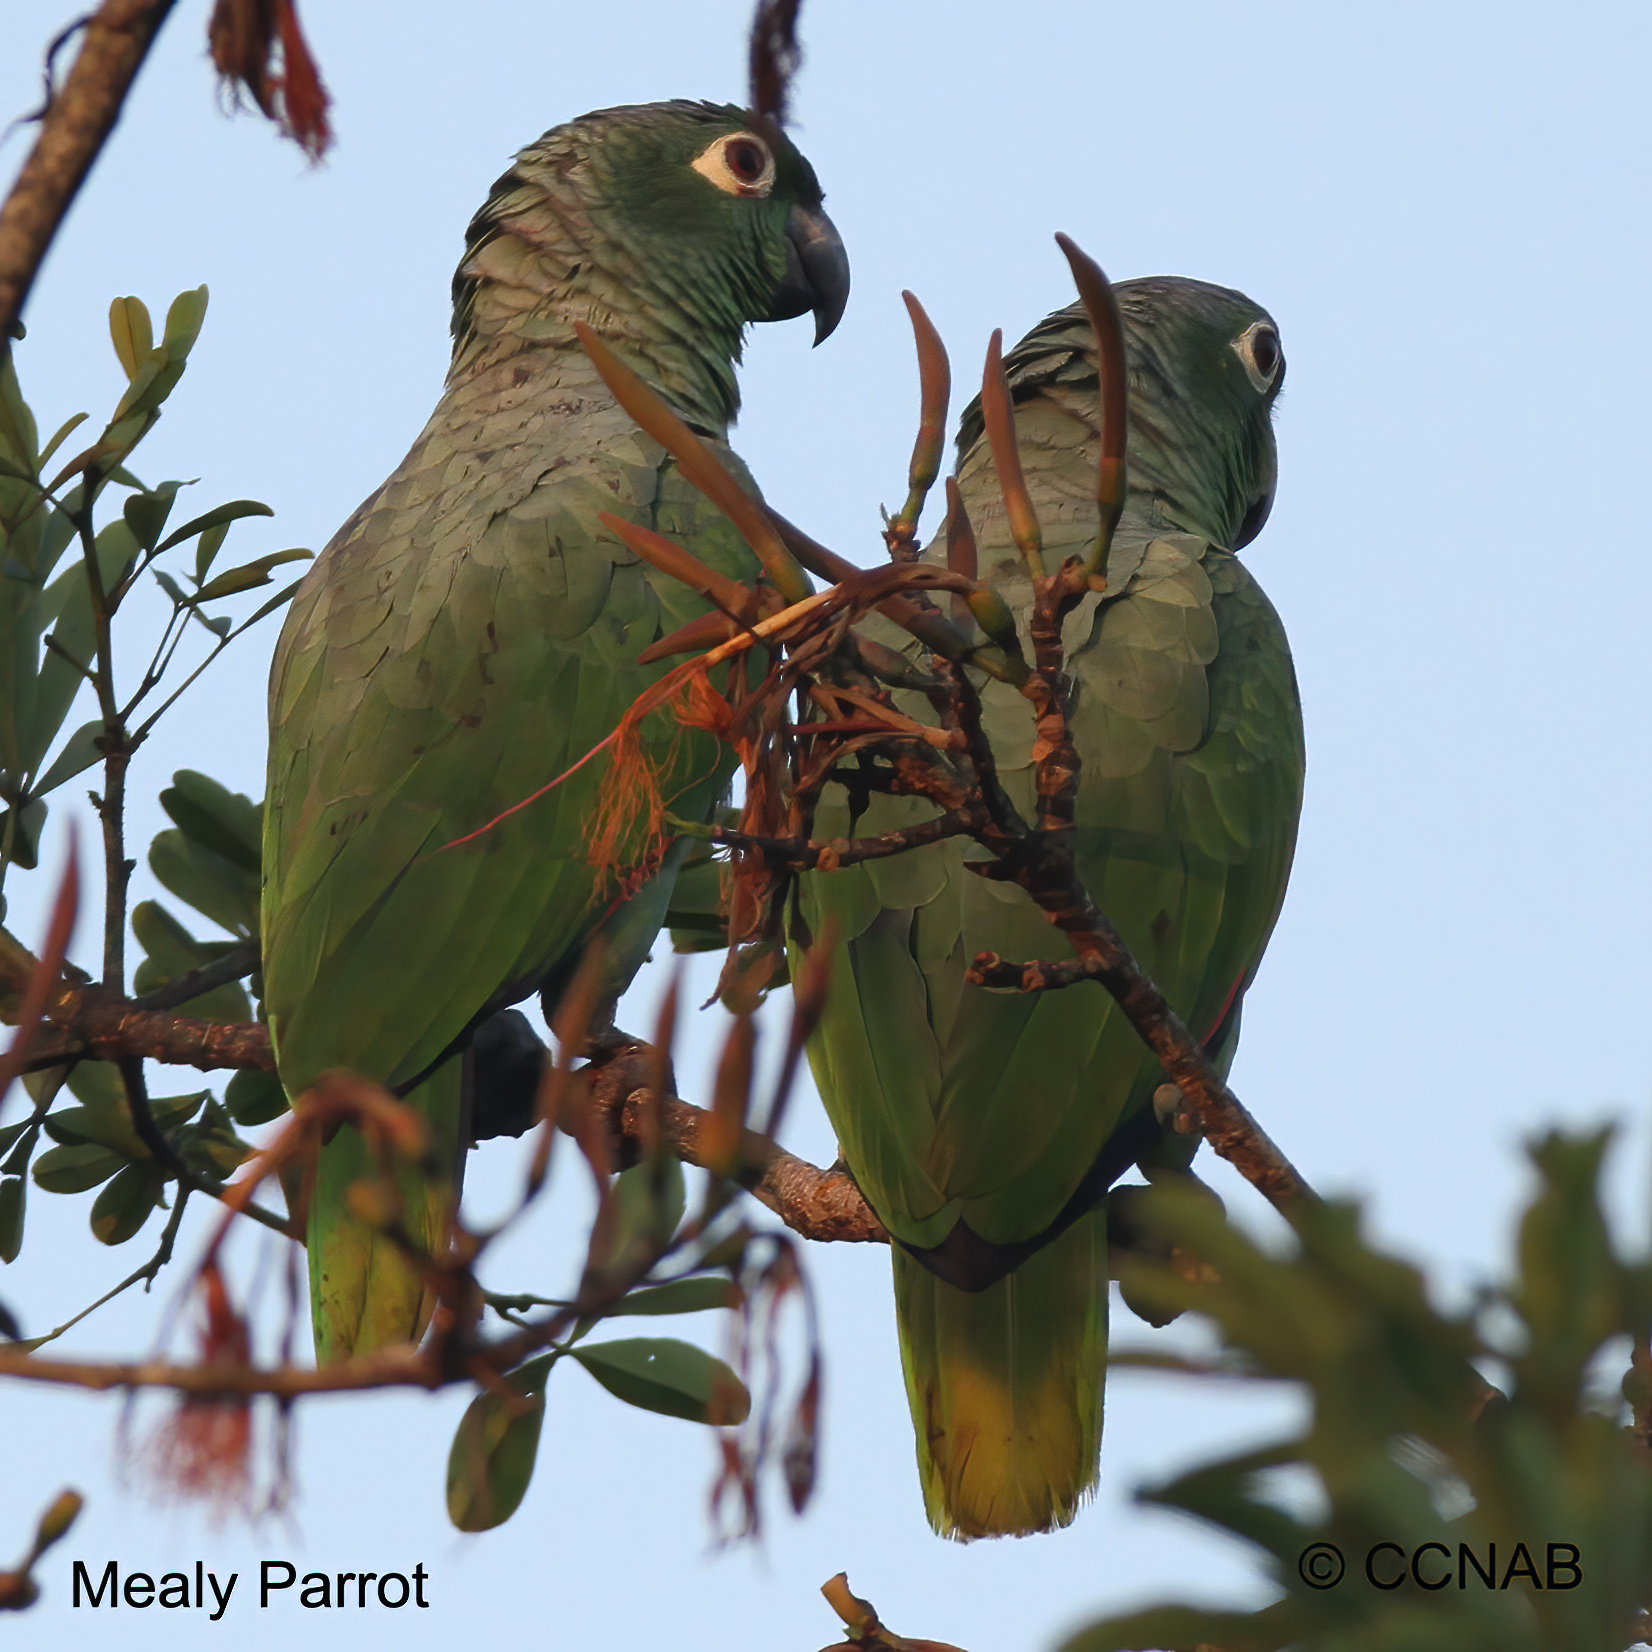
pixel 739 165
pixel 1244 347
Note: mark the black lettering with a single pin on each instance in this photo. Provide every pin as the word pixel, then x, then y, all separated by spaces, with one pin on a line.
pixel 144 1584
pixel 1520 1565
pixel 1371 1570
pixel 1416 1560
pixel 385 1581
pixel 110 1581
pixel 265 1585
pixel 361 1587
pixel 343 1578
pixel 200 1568
pixel 174 1583
pixel 222 1595
pixel 419 1575
pixel 1487 1573
pixel 317 1583
pixel 1570 1563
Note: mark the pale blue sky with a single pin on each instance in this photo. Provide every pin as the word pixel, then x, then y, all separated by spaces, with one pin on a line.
pixel 1445 208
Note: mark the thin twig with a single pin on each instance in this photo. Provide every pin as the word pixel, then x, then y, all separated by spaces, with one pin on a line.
pixel 146 1273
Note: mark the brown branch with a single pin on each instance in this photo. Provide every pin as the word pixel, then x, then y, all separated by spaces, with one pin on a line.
pixel 402 1367
pixel 96 1024
pixel 76 124
pixel 100 1025
pixel 815 1204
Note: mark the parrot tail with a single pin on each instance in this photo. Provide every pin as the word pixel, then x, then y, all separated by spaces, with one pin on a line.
pixel 1005 1386
pixel 365 1293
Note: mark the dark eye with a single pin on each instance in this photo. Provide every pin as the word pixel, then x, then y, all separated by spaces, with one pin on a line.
pixel 746 160
pixel 740 164
pixel 1265 352
pixel 1258 350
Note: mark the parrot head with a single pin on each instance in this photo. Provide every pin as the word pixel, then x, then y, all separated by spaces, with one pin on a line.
pixel 668 227
pixel 1205 364
pixel 1205 367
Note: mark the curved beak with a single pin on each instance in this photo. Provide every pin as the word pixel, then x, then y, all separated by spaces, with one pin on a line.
pixel 817 272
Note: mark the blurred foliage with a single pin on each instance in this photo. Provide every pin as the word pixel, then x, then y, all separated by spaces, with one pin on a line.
pixel 69 562
pixel 18 1588
pixel 1429 1483
pixel 495 1448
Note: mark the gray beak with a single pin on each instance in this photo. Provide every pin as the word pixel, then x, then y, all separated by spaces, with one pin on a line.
pixel 817 272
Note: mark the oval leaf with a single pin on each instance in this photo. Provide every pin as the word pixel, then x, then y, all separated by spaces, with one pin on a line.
pixel 79 754
pixel 248 575
pixel 220 516
pixel 131 332
pixel 227 822
pixel 673 1378
pixel 253 1097
pixel 122 1208
pixel 681 1296
pixel 13 1191
pixel 492 1458
pixel 76 1168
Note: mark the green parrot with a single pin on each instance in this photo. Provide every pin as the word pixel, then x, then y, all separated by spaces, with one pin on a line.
pixel 985 1126
pixel 472 632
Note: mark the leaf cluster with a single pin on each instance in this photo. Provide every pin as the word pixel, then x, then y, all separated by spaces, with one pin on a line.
pixel 56 616
pixel 1408 1444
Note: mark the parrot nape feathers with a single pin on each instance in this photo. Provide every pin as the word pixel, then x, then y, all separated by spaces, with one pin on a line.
pixel 472 630
pixel 985 1126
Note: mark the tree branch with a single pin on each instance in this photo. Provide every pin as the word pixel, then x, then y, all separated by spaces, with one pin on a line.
pixel 74 127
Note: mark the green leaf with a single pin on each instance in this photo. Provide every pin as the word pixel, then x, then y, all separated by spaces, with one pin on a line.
pixel 220 516
pixel 673 1378
pixel 75 1168
pixel 146 513
pixel 172 588
pixel 228 823
pixel 212 1146
pixel 183 323
pixel 13 1206
pixel 172 951
pixel 122 1208
pixel 24 836
pixel 225 891
pixel 279 600
pixel 132 332
pixel 64 431
pixel 492 1457
pixel 25 1135
pixel 647 1204
pixel 105 1121
pixel 17 427
pixel 681 1296
pixel 253 1097
pixel 207 548
pixel 117 548
pixel 249 575
pixel 79 753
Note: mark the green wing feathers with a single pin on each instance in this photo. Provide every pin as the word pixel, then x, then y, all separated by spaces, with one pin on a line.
pixel 954 1104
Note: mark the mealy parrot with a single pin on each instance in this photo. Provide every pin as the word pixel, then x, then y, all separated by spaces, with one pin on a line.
pixel 472 632
pixel 984 1126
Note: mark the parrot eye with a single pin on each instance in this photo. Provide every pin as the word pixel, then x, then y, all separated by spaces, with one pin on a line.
pixel 1258 348
pixel 741 165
